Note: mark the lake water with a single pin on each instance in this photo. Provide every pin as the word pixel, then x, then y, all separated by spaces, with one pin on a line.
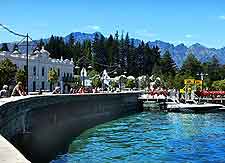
pixel 152 137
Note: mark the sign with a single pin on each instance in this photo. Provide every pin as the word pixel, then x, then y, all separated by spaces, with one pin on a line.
pixel 198 82
pixel 189 81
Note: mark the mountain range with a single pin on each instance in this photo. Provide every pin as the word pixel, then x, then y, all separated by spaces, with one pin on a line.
pixel 178 52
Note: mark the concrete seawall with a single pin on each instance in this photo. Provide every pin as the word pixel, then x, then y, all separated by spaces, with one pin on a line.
pixel 43 126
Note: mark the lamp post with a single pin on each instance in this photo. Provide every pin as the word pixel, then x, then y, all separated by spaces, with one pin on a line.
pixel 202 76
pixel 121 81
pixel 83 71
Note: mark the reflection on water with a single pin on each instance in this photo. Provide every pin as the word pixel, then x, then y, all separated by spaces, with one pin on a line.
pixel 152 137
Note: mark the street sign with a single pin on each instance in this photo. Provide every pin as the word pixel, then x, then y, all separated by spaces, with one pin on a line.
pixel 189 81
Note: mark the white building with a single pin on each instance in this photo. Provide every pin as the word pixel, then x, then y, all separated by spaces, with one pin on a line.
pixel 39 64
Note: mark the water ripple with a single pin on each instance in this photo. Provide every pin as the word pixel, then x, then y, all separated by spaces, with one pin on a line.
pixel 152 137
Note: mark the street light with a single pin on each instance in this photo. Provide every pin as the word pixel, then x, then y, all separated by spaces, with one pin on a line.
pixel 121 81
pixel 202 76
pixel 83 71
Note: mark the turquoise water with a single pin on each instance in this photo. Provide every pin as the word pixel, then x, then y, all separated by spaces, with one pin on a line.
pixel 152 137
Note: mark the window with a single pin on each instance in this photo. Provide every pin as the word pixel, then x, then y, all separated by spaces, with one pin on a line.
pixel 43 71
pixel 58 72
pixel 43 85
pixel 34 86
pixel 34 70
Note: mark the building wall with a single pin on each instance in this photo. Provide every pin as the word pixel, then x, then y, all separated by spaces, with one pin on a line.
pixel 43 126
pixel 39 59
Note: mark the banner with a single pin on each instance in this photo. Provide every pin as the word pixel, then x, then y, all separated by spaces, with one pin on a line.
pixel 198 82
pixel 189 81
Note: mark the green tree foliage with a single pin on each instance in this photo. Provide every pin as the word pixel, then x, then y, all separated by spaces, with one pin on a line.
pixel 7 72
pixel 107 53
pixel 168 66
pixel 93 73
pixel 191 65
pixel 130 83
pixel 179 80
pixel 96 81
pixel 114 84
pixel 218 85
pixel 21 76
pixel 77 81
pixel 53 76
pixel 57 48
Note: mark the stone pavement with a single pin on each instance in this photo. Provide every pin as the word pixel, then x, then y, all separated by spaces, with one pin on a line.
pixel 9 154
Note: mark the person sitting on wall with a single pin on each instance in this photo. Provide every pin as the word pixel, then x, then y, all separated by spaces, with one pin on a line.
pixel 18 90
pixel 81 90
pixel 4 92
pixel 56 91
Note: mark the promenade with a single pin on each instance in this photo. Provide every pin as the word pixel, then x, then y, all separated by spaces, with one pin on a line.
pixel 9 154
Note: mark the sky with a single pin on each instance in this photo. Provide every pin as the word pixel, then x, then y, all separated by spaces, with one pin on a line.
pixel 174 21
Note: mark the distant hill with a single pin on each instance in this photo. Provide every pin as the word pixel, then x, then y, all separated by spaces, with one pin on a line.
pixel 178 52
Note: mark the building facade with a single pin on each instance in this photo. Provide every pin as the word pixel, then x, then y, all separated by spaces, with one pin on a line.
pixel 39 64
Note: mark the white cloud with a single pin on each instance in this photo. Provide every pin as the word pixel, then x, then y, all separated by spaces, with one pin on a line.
pixel 222 17
pixel 93 27
pixel 188 36
pixel 145 33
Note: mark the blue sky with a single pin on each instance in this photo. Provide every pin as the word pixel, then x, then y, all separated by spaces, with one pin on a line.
pixel 174 21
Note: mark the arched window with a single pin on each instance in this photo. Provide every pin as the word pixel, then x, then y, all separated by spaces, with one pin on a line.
pixel 43 71
pixel 34 70
pixel 34 86
pixel 43 85
pixel 58 72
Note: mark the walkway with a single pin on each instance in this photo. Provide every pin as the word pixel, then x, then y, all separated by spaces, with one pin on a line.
pixel 9 154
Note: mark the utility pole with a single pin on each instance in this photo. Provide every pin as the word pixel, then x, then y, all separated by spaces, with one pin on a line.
pixel 27 70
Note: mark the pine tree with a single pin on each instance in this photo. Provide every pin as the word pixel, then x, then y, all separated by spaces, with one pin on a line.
pixel 109 50
pixel 122 54
pixel 126 51
pixel 140 58
pixel 132 60
pixel 191 65
pixel 168 66
pixel 116 46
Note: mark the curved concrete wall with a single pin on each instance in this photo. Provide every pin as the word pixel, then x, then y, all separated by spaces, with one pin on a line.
pixel 42 126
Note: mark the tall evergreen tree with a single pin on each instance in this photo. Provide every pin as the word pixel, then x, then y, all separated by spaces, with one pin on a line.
pixel 168 66
pixel 122 54
pixel 140 58
pixel 126 51
pixel 116 49
pixel 191 65
pixel 109 50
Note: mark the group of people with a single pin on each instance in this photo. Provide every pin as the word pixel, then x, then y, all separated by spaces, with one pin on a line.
pixel 17 91
pixel 84 90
